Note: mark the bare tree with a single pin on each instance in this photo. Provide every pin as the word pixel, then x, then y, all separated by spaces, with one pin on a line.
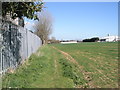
pixel 53 38
pixel 43 27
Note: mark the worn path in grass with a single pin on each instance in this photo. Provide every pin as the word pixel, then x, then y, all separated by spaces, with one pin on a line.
pixel 86 74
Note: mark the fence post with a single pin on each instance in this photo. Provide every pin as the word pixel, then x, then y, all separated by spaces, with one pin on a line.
pixel 10 41
pixel 0 60
pixel 0 49
pixel 0 46
pixel 27 41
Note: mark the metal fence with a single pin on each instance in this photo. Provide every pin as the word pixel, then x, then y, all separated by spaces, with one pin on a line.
pixel 16 45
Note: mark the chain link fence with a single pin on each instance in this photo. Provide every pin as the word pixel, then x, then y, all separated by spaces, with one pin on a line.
pixel 16 45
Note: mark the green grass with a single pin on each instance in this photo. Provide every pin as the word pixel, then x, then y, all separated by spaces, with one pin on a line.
pixel 39 72
pixel 48 68
pixel 101 59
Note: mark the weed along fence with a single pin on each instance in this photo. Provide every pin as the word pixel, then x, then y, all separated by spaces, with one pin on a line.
pixel 16 45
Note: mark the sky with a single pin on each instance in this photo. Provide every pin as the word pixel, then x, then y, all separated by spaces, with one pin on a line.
pixel 81 20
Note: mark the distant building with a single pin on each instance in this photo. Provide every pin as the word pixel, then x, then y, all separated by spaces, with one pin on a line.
pixel 109 39
pixel 68 42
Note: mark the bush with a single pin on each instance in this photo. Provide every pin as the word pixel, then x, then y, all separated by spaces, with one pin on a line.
pixel 95 39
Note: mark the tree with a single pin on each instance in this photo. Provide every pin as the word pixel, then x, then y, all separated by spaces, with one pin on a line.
pixel 21 9
pixel 43 27
pixel 87 40
pixel 53 38
pixel 94 39
pixel 53 41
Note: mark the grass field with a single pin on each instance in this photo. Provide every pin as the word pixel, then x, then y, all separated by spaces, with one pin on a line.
pixel 83 65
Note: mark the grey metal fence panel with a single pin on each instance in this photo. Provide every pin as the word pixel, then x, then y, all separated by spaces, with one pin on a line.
pixel 16 44
pixel 23 50
pixel 32 47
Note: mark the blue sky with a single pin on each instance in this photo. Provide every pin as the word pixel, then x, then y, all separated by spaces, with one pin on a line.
pixel 80 20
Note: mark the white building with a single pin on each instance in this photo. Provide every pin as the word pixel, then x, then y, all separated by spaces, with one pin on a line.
pixel 69 42
pixel 109 39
